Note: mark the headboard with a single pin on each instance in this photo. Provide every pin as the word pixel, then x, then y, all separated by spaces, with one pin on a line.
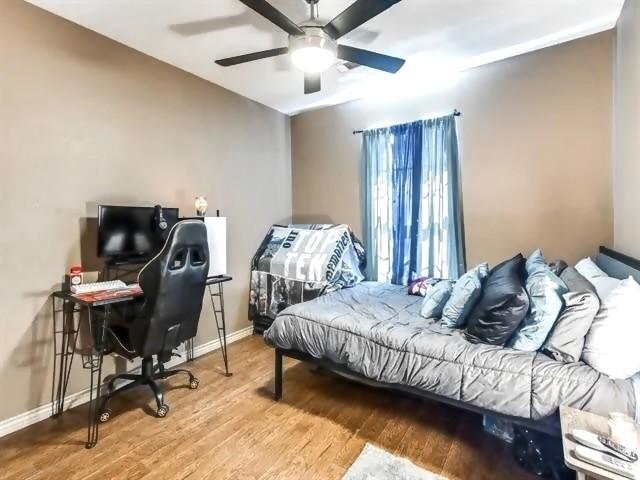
pixel 618 265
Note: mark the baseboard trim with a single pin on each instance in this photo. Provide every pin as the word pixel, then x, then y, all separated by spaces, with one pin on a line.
pixel 43 412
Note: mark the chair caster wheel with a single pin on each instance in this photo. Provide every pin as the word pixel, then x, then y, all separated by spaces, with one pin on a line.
pixel 194 383
pixel 163 411
pixel 105 415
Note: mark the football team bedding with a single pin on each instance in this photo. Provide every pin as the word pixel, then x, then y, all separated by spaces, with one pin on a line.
pixel 298 263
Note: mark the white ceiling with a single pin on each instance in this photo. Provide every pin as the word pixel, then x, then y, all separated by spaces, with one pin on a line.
pixel 437 37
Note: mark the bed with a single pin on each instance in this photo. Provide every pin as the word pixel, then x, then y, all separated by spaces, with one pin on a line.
pixel 373 333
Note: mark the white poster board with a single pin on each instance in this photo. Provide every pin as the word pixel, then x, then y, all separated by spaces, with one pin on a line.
pixel 217 239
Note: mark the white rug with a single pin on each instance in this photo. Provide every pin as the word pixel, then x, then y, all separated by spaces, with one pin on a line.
pixel 374 463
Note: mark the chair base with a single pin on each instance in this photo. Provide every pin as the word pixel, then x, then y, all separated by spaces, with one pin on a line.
pixel 149 376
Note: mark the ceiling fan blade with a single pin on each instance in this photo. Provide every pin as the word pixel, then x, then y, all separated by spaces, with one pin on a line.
pixel 359 12
pixel 274 15
pixel 312 83
pixel 250 57
pixel 370 59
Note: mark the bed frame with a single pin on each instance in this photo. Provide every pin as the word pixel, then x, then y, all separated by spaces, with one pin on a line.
pixel 623 263
pixel 551 427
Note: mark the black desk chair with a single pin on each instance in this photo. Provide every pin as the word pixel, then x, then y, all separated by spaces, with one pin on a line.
pixel 173 283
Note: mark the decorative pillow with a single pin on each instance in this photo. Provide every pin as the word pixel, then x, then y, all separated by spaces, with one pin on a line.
pixel 502 306
pixel 464 296
pixel 436 298
pixel 611 346
pixel 545 290
pixel 576 282
pixel 566 340
pixel 420 286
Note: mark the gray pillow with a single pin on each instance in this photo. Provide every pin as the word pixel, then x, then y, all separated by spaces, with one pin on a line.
pixel 436 298
pixel 545 290
pixel 464 296
pixel 576 282
pixel 566 341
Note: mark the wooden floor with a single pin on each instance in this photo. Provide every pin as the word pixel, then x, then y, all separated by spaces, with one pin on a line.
pixel 231 428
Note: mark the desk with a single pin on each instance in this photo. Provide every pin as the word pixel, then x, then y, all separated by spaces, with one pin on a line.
pixel 219 316
pixel 67 311
pixel 66 335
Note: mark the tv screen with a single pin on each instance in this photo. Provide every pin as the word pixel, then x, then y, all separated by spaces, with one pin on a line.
pixel 132 233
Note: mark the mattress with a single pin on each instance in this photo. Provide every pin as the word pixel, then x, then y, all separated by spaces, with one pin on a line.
pixel 375 329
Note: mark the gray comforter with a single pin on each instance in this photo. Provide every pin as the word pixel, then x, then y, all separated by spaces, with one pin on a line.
pixel 376 330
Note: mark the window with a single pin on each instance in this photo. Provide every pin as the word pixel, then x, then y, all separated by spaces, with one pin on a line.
pixel 413 210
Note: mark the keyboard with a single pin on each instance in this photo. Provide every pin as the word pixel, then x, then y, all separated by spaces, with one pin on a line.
pixel 98 287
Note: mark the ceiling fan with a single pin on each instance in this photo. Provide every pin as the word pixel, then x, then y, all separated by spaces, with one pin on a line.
pixel 314 48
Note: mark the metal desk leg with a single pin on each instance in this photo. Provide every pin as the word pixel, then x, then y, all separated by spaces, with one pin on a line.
pixel 65 334
pixel 95 360
pixel 278 377
pixel 221 325
pixel 189 348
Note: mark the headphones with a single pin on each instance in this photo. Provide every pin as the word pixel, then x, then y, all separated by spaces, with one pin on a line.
pixel 161 221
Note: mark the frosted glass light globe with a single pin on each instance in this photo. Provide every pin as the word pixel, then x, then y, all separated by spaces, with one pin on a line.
pixel 313 59
pixel 314 51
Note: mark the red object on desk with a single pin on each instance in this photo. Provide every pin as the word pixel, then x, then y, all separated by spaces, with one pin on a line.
pixel 133 291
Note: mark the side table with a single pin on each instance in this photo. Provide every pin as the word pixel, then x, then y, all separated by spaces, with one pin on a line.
pixel 570 419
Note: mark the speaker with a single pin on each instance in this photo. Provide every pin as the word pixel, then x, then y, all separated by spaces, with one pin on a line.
pixel 217 240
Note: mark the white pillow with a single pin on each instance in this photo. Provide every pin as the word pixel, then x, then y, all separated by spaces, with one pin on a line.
pixel 602 282
pixel 611 346
pixel 605 285
pixel 588 269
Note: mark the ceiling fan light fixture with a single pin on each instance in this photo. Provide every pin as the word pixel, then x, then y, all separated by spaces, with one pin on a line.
pixel 313 59
pixel 313 52
pixel 313 46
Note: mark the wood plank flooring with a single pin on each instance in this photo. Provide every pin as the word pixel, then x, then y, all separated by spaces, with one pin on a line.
pixel 230 428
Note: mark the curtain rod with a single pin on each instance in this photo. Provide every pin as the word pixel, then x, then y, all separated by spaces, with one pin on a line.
pixel 456 113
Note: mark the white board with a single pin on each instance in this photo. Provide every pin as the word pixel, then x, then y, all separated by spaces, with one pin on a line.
pixel 217 239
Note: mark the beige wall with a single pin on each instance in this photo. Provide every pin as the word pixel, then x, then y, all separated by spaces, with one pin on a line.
pixel 626 121
pixel 83 121
pixel 536 148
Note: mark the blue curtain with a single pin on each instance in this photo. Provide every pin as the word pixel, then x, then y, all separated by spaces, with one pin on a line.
pixel 405 199
pixel 412 201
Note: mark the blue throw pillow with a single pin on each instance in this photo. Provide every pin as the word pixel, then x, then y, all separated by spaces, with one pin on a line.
pixel 464 296
pixel 545 291
pixel 436 298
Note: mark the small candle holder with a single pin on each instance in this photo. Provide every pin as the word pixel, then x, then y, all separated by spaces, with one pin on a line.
pixel 623 430
pixel 201 206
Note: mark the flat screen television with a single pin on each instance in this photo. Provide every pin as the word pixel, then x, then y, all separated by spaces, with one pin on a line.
pixel 132 234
